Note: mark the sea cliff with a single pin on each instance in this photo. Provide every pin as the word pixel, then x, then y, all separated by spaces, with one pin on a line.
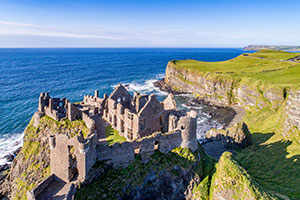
pixel 266 84
pixel 253 91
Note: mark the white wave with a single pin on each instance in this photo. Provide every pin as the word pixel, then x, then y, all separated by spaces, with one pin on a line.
pixel 145 87
pixel 8 144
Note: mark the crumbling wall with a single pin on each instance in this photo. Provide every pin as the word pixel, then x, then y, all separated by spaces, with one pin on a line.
pixel 72 153
pixel 92 100
pixel 183 136
pixel 73 112
pixel 89 122
pixel 150 117
pixel 52 107
pixel 39 188
pixel 123 153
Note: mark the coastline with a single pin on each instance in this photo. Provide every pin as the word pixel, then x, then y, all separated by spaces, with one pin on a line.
pixel 229 116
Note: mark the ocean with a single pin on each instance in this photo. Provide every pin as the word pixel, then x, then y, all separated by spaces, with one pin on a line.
pixel 75 72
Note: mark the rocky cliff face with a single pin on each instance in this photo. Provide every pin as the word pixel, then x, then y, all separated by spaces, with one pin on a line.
pixel 223 90
pixel 210 88
pixel 31 165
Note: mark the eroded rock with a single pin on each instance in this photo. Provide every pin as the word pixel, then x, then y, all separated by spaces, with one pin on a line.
pixel 237 136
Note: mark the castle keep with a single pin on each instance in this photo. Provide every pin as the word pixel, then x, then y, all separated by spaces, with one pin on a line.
pixel 146 123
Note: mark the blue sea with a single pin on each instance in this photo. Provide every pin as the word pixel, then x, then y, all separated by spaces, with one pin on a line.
pixel 75 72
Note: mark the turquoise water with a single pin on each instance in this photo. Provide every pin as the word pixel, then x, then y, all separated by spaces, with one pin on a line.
pixel 73 73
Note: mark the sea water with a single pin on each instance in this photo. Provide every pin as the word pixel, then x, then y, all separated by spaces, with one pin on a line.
pixel 75 72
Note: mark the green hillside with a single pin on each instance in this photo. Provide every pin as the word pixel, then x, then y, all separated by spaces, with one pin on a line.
pixel 267 65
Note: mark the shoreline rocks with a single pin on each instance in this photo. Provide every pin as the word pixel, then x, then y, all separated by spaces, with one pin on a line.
pixel 161 84
pixel 237 136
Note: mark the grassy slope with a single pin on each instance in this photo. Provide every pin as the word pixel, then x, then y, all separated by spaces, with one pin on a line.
pixel 228 176
pixel 233 182
pixel 249 67
pixel 120 181
pixel 274 54
pixel 34 153
pixel 272 160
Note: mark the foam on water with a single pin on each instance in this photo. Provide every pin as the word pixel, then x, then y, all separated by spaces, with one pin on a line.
pixel 8 144
pixel 145 87
pixel 204 122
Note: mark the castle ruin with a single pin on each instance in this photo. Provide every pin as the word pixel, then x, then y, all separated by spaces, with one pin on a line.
pixel 147 124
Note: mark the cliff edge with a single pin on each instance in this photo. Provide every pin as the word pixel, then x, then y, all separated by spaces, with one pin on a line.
pixel 266 84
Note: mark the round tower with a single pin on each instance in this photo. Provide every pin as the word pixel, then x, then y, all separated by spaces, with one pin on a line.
pixel 188 127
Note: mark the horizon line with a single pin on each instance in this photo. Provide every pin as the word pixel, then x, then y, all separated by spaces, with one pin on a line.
pixel 133 47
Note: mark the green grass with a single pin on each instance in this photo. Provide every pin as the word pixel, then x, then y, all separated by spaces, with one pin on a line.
pixel 231 178
pixel 120 181
pixel 113 136
pixel 274 54
pixel 247 67
pixel 74 127
pixel 272 161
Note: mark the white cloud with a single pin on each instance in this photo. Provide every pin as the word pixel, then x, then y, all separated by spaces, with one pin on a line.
pixel 15 28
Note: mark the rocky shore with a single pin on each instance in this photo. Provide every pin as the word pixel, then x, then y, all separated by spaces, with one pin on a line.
pixel 5 168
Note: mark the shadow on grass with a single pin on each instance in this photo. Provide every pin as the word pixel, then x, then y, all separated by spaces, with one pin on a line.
pixel 274 163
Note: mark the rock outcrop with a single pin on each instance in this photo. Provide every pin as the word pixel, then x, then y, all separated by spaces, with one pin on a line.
pixel 237 136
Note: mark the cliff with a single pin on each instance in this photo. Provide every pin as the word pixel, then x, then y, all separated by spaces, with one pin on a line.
pixel 231 181
pixel 32 163
pixel 266 84
pixel 180 174
pixel 255 82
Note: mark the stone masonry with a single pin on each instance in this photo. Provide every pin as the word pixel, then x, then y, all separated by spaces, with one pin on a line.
pixel 146 123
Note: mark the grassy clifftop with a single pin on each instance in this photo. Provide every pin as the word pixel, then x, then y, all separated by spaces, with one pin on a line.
pixel 266 65
pixel 267 86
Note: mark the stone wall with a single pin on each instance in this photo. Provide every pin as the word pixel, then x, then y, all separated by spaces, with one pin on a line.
pixel 89 122
pixel 183 136
pixel 123 153
pixel 53 107
pixel 72 156
pixel 292 118
pixel 39 188
pixel 93 100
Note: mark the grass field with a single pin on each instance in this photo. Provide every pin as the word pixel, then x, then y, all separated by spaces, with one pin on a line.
pixel 273 161
pixel 266 65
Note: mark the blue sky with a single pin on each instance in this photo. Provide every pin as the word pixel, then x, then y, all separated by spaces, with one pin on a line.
pixel 148 23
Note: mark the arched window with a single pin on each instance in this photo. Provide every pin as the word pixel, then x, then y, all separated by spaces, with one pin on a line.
pixel 156 145
pixel 137 150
